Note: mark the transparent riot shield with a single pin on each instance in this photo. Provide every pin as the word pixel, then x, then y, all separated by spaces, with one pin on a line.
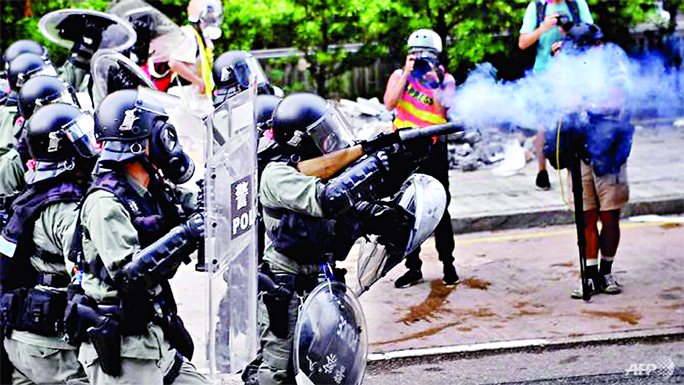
pixel 230 253
pixel 331 339
pixel 424 198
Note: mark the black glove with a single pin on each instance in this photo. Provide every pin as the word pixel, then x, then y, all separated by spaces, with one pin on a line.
pixel 383 158
pixel 380 141
pixel 391 223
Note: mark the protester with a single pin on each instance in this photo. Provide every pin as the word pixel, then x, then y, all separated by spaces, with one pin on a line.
pixel 415 93
pixel 543 28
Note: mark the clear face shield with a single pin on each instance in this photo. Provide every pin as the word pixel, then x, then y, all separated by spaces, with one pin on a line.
pixel 210 20
pixel 67 97
pixel 81 133
pixel 46 70
pixel 332 131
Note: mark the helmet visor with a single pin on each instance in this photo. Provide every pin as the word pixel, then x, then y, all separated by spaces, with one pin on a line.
pixel 63 97
pixel 46 70
pixel 157 102
pixel 81 133
pixel 256 70
pixel 332 131
pixel 211 17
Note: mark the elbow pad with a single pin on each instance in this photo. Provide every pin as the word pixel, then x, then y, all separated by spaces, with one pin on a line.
pixel 160 260
pixel 357 183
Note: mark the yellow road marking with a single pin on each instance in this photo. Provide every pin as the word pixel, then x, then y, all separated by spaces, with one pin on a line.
pixel 624 225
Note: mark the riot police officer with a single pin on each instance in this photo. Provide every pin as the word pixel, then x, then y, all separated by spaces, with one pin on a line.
pixel 37 239
pixel 236 71
pixel 20 70
pixel 134 237
pixel 310 222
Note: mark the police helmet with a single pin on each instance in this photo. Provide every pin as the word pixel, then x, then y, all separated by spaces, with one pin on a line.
pixel 425 39
pixel 236 71
pixel 23 46
pixel 129 122
pixel 27 65
pixel 584 35
pixel 264 106
pixel 42 90
pixel 58 135
pixel 309 126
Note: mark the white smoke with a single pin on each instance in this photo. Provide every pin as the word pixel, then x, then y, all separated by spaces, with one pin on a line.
pixel 601 79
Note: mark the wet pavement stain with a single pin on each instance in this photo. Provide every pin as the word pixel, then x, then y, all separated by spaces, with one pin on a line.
pixel 476 283
pixel 669 297
pixel 524 312
pixel 674 306
pixel 431 306
pixel 422 334
pixel 631 317
pixel 464 329
pixel 670 225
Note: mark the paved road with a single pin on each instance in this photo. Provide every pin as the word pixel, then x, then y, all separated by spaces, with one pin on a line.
pixel 584 364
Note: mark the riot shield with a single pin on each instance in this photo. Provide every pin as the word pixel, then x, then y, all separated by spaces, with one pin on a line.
pixel 230 187
pixel 67 27
pixel 422 196
pixel 112 71
pixel 331 339
pixel 158 36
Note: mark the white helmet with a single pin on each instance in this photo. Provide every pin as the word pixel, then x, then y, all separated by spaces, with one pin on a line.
pixel 425 39
pixel 209 15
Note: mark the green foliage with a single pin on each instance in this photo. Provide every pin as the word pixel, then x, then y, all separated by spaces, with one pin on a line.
pixel 473 31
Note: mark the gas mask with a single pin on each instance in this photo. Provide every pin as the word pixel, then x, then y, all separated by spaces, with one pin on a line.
pixel 167 154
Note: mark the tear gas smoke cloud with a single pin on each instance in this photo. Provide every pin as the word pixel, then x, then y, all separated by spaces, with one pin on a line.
pixel 600 79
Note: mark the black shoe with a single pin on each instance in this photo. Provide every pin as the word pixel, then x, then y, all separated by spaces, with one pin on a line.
pixel 409 278
pixel 450 276
pixel 543 180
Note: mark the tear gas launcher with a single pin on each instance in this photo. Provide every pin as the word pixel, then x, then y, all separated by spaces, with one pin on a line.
pixel 327 165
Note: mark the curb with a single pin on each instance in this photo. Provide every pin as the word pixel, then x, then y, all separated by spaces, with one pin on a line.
pixel 415 356
pixel 556 216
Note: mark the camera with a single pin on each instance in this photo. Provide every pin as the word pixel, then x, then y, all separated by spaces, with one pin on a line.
pixel 564 22
pixel 425 62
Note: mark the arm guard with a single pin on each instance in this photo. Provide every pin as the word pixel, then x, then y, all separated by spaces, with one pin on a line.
pixel 161 259
pixel 358 182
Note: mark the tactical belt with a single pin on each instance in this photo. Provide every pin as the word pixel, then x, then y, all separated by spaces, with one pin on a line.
pixel 53 280
pixel 300 283
pixel 33 310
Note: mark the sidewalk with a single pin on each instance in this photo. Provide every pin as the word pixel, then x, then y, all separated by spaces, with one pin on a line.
pixel 515 285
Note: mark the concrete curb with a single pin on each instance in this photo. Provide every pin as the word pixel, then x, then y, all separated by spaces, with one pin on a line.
pixel 469 350
pixel 552 217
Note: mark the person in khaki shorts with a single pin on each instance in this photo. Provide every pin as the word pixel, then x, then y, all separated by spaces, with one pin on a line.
pixel 607 132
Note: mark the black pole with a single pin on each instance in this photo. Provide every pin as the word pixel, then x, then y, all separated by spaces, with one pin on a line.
pixel 575 144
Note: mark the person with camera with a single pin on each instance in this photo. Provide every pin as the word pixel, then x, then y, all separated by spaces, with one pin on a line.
pixel 602 121
pixel 417 94
pixel 544 26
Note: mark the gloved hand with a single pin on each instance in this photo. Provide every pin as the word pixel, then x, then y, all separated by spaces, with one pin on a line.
pixel 391 223
pixel 383 158
pixel 195 225
pixel 379 142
